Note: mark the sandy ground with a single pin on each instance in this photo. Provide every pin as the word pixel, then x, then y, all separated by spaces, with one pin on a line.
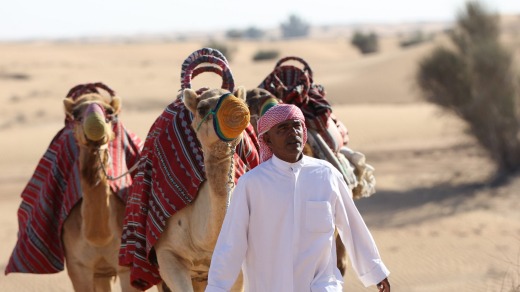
pixel 438 223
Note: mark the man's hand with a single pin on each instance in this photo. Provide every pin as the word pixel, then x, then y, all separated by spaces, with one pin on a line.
pixel 384 286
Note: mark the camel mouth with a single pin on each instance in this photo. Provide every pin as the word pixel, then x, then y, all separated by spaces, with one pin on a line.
pixel 96 125
pixel 94 121
pixel 98 143
pixel 232 117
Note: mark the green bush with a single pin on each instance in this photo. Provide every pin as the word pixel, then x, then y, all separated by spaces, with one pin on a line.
pixel 414 39
pixel 476 81
pixel 366 43
pixel 266 55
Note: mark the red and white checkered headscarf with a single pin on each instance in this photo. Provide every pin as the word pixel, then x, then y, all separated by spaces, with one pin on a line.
pixel 275 115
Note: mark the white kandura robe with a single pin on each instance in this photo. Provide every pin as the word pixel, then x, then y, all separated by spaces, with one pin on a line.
pixel 280 229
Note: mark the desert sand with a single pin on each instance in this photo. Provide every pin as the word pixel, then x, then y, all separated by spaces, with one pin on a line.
pixel 438 223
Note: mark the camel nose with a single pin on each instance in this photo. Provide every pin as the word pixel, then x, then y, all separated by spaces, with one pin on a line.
pixel 232 118
pixel 94 122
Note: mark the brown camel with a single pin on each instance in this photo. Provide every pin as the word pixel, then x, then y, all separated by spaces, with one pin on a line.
pixel 92 231
pixel 185 247
pixel 259 100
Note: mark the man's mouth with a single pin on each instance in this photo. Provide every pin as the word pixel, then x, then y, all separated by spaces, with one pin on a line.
pixel 297 141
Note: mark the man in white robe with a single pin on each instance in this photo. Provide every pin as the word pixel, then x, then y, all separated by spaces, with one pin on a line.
pixel 279 228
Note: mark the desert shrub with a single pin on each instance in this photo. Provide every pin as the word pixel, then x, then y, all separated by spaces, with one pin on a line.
pixel 476 81
pixel 226 50
pixel 266 55
pixel 295 27
pixel 366 43
pixel 14 76
pixel 414 39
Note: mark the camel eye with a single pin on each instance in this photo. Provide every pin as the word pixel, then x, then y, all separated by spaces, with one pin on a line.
pixel 109 111
pixel 76 114
pixel 203 111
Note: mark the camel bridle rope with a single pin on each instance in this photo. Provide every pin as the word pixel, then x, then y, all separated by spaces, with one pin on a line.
pixel 230 183
pixel 109 177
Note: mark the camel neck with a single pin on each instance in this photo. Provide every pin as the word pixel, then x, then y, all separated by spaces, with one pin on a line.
pixel 218 168
pixel 95 206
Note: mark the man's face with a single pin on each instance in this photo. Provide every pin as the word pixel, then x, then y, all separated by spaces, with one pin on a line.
pixel 286 140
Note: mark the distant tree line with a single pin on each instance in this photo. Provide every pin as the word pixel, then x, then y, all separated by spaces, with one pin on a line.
pixel 294 27
pixel 249 33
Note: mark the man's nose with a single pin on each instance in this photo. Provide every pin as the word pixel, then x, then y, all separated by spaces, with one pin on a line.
pixel 294 131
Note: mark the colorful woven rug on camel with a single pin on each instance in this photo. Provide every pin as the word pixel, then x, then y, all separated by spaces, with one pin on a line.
pixel 169 177
pixel 54 189
pixel 328 136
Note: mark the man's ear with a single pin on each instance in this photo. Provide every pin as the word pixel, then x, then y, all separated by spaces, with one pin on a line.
pixel 267 139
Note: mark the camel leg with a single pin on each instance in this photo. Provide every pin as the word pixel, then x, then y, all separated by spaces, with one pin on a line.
pixel 124 279
pixel 174 271
pixel 199 286
pixel 341 254
pixel 239 284
pixel 81 278
pixel 102 284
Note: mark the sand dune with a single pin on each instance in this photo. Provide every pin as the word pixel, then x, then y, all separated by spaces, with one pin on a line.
pixel 438 224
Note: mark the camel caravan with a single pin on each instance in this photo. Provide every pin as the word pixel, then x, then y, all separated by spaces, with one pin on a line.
pixel 108 205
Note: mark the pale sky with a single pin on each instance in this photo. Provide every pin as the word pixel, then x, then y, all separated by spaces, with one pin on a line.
pixel 26 19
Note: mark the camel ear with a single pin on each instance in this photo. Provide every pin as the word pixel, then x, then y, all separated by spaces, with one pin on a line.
pixel 116 104
pixel 69 104
pixel 241 93
pixel 190 99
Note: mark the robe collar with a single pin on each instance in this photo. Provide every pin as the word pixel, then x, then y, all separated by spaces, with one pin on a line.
pixel 287 166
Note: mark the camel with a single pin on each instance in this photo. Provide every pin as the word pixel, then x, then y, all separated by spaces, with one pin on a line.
pixel 186 245
pixel 260 100
pixel 92 231
pixel 193 154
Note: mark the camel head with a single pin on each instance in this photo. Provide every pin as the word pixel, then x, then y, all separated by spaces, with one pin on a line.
pixel 219 117
pixel 259 101
pixel 92 115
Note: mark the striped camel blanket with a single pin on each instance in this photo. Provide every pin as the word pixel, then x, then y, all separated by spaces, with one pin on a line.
pixel 53 190
pixel 168 178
